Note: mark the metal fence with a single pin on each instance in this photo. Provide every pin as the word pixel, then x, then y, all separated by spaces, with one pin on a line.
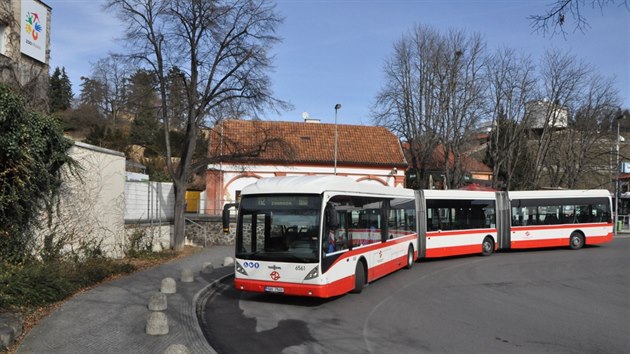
pixel 149 201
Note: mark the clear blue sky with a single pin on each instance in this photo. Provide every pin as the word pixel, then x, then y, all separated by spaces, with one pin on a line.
pixel 333 51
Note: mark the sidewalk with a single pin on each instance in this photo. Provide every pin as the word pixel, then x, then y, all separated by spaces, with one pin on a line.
pixel 111 318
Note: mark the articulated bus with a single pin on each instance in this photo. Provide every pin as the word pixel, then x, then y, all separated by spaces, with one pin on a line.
pixel 326 236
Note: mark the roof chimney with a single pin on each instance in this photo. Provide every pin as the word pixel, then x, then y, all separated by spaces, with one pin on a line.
pixel 307 118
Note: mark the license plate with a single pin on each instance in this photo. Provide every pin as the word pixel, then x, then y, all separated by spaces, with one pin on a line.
pixel 274 289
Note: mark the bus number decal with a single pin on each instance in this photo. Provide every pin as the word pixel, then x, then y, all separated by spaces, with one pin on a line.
pixel 254 265
pixel 300 268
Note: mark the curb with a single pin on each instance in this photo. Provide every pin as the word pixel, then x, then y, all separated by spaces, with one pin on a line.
pixel 200 300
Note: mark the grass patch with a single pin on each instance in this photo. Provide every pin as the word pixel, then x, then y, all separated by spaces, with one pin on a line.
pixel 35 289
pixel 28 286
pixel 36 284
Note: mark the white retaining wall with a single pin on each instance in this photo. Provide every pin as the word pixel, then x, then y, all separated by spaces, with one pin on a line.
pixel 91 207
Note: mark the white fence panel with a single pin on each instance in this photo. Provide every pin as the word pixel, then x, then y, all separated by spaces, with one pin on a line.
pixel 149 201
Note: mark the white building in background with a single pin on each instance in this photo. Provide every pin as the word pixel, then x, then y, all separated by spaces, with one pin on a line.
pixel 544 113
pixel 25 48
pixel 368 154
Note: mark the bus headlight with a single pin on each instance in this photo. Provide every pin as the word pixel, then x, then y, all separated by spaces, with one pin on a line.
pixel 240 269
pixel 314 273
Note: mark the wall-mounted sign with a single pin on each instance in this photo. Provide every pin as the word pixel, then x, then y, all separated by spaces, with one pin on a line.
pixel 33 27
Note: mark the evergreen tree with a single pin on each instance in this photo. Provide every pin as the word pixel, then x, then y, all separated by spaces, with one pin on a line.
pixel 92 93
pixel 66 89
pixel 142 104
pixel 176 95
pixel 60 91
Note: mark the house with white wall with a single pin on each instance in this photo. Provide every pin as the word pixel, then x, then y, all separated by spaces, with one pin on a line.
pixel 369 154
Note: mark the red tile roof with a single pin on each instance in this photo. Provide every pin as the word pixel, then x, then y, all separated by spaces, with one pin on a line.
pixel 469 163
pixel 312 143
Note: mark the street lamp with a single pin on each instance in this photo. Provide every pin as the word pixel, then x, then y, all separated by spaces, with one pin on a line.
pixel 337 107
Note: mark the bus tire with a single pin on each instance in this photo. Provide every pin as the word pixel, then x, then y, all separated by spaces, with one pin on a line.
pixel 409 258
pixel 359 278
pixel 576 240
pixel 487 246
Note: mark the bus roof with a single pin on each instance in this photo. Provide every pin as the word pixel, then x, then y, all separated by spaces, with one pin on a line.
pixel 457 194
pixel 560 193
pixel 319 185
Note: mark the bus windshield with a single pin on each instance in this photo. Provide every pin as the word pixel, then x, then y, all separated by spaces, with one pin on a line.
pixel 282 228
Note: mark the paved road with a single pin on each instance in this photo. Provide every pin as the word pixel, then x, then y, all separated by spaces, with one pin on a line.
pixel 530 301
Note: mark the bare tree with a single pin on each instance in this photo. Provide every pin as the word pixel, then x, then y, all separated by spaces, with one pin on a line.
pixel 113 74
pixel 562 77
pixel 407 104
pixel 561 12
pixel 511 84
pixel 431 97
pixel 221 49
pixel 462 91
pixel 579 150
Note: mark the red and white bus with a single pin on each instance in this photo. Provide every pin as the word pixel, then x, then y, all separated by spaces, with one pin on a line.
pixel 456 222
pixel 459 222
pixel 326 236
pixel 321 236
pixel 560 218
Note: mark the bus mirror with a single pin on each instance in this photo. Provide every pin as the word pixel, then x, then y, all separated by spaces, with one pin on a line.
pixel 332 220
pixel 226 216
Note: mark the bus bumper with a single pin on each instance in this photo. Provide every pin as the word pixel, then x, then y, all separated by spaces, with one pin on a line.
pixel 311 290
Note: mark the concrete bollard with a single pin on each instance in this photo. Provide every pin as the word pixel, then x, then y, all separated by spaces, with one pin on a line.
pixel 228 261
pixel 7 337
pixel 187 276
pixel 207 268
pixel 157 302
pixel 168 286
pixel 11 325
pixel 157 324
pixel 177 349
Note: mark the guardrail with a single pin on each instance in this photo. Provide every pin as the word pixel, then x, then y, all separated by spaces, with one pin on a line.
pixel 205 232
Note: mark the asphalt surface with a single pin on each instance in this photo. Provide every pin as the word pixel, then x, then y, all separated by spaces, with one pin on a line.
pixel 532 301
pixel 551 300
pixel 111 318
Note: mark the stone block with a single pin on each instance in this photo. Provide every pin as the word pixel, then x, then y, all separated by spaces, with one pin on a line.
pixel 169 286
pixel 207 268
pixel 228 261
pixel 7 338
pixel 187 276
pixel 157 302
pixel 12 320
pixel 157 324
pixel 177 349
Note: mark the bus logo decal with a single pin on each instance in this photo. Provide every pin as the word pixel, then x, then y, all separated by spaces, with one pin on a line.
pixel 274 275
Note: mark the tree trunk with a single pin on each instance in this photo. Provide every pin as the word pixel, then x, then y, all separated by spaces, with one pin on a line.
pixel 179 235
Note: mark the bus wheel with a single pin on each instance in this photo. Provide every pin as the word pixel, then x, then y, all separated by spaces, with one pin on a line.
pixel 487 246
pixel 359 278
pixel 576 240
pixel 409 257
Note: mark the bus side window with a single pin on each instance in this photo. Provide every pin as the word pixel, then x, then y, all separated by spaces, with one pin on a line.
pixel 583 213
